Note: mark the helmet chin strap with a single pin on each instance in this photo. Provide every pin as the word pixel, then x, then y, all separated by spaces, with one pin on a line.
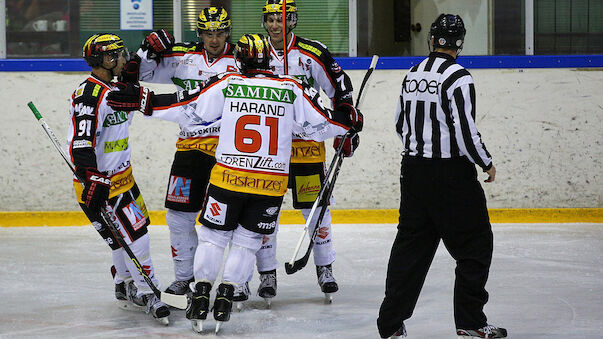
pixel 110 70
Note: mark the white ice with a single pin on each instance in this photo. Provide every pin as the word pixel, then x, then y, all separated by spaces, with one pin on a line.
pixel 546 281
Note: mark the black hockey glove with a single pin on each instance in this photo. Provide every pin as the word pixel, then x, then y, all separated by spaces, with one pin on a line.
pixel 96 189
pixel 349 145
pixel 349 116
pixel 156 43
pixel 130 97
pixel 131 71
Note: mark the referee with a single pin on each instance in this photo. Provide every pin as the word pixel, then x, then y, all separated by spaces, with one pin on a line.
pixel 441 196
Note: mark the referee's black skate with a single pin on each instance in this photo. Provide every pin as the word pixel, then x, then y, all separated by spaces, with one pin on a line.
pixel 199 306
pixel 267 288
pixel 488 331
pixel 326 281
pixel 223 304
pixel 180 287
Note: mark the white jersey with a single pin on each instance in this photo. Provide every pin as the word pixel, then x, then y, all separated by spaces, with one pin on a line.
pixel 311 61
pixel 258 115
pixel 187 65
pixel 98 136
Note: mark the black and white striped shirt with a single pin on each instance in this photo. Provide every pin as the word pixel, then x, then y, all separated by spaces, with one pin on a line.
pixel 435 117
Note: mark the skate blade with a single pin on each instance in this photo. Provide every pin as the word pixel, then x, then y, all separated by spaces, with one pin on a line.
pixel 328 298
pixel 163 321
pixel 268 302
pixel 129 306
pixel 218 326
pixel 197 325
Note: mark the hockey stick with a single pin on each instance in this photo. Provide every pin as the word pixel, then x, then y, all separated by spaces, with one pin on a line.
pixel 284 20
pixel 296 265
pixel 178 301
pixel 322 199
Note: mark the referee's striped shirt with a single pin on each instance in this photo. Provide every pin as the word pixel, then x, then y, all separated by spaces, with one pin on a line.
pixel 435 117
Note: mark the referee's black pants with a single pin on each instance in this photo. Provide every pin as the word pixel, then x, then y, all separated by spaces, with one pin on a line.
pixel 441 199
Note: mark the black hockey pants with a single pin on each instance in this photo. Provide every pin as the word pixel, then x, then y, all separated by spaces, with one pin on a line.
pixel 441 199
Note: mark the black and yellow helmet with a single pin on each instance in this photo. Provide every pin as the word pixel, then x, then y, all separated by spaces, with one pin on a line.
pixel 252 52
pixel 276 7
pixel 213 19
pixel 98 45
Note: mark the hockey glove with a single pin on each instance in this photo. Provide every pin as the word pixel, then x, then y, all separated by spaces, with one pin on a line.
pixel 131 71
pixel 349 145
pixel 130 97
pixel 351 116
pixel 156 43
pixel 96 189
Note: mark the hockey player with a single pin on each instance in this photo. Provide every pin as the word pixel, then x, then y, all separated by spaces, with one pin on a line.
pixel 310 61
pixel 187 65
pixel 98 139
pixel 258 112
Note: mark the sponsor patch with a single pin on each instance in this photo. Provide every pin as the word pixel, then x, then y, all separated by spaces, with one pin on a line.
pixel 81 144
pixel 272 211
pixel 81 110
pixel 135 215
pixel 116 146
pixel 307 187
pixel 215 211
pixel 267 225
pixel 179 189
pixel 323 232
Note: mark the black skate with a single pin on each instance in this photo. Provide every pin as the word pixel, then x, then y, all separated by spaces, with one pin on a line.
pixel 180 287
pixel 120 289
pixel 241 294
pixel 267 289
pixel 327 282
pixel 488 331
pixel 199 305
pixel 400 333
pixel 223 304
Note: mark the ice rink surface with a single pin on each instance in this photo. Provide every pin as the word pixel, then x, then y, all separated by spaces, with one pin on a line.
pixel 546 281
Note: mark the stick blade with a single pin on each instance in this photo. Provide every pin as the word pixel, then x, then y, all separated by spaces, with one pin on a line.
pixel 297 265
pixel 174 300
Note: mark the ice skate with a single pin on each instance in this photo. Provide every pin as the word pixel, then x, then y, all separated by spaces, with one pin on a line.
pixel 132 302
pixel 157 309
pixel 327 282
pixel 267 288
pixel 241 294
pixel 488 331
pixel 400 333
pixel 199 305
pixel 180 287
pixel 223 304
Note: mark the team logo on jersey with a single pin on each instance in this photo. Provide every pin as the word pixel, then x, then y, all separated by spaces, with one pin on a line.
pixel 335 67
pixel 135 215
pixel 179 189
pixel 215 211
pixel 81 110
pixel 323 232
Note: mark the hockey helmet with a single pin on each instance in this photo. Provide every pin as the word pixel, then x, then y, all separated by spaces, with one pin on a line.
pixel 276 7
pixel 213 19
pixel 448 31
pixel 100 44
pixel 252 52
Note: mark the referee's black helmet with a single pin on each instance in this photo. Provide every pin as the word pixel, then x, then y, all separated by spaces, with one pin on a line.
pixel 448 31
